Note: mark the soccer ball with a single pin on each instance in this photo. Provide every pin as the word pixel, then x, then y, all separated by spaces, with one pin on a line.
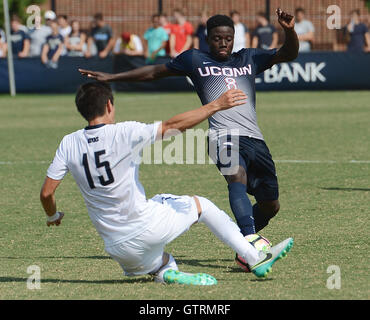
pixel 257 241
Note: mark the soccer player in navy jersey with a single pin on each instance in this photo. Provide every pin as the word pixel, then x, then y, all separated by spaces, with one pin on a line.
pixel 236 143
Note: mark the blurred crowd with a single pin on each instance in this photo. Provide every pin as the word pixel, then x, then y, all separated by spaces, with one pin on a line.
pixel 59 36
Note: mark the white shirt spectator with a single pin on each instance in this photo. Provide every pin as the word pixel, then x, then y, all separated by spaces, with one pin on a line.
pixel 304 27
pixel 2 40
pixel 38 38
pixel 136 43
pixel 65 31
pixel 239 36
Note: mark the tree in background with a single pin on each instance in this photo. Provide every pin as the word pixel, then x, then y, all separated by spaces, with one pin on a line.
pixel 17 7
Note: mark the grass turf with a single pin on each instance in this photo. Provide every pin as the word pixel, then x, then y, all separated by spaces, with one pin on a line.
pixel 324 206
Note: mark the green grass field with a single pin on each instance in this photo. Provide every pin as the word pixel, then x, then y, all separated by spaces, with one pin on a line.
pixel 324 204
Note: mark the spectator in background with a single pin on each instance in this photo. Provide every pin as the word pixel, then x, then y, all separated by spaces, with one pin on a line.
pixel 358 33
pixel 3 45
pixel 200 36
pixel 241 38
pixel 20 41
pixel 53 47
pixel 38 35
pixel 156 40
pixel 265 35
pixel 75 42
pixel 181 34
pixel 167 27
pixel 64 27
pixel 305 30
pixel 129 44
pixel 102 36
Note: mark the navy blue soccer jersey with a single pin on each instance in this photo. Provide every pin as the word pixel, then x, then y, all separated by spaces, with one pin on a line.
pixel 212 78
pixel 53 41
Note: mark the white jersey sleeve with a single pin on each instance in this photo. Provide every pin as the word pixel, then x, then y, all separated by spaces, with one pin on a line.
pixel 58 168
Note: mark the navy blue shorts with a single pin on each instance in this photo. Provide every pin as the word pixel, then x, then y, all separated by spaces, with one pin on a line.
pixel 254 156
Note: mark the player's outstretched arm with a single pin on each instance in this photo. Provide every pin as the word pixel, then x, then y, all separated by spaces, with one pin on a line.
pixel 47 198
pixel 146 73
pixel 189 119
pixel 289 50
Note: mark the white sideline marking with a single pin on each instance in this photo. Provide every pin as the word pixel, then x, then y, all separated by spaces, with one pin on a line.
pixel 277 161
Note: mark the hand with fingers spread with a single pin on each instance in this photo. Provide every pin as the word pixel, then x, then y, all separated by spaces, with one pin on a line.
pixel 286 20
pixel 100 76
pixel 231 98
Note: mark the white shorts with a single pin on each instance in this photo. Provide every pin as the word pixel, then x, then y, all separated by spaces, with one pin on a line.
pixel 171 216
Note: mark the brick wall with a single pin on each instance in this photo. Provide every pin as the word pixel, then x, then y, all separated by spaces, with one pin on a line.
pixel 134 15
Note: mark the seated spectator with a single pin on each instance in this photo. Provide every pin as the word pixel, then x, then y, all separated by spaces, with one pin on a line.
pixel 265 35
pixel 241 38
pixel 3 45
pixel 38 35
pixel 156 40
pixel 102 36
pixel 305 30
pixel 163 21
pixel 20 41
pixel 64 27
pixel 358 32
pixel 129 44
pixel 181 34
pixel 75 42
pixel 200 35
pixel 53 47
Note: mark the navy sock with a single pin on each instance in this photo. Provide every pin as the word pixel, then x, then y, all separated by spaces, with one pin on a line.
pixel 260 220
pixel 241 207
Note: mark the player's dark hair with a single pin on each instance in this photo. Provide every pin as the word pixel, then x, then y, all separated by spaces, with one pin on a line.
pixel 65 17
pixel 177 10
pixel 262 14
pixel 92 98
pixel 219 20
pixel 234 12
pixel 357 11
pixel 98 16
pixel 300 9
pixel 157 15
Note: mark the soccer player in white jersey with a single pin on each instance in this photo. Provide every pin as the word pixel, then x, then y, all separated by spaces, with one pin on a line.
pixel 104 160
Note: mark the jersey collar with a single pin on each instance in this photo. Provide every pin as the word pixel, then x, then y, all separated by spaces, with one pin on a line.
pixel 95 127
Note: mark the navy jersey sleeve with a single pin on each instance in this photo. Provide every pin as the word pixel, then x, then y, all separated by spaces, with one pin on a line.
pixel 262 59
pixel 183 63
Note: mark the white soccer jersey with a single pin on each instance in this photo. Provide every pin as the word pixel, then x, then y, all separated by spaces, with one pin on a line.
pixel 104 160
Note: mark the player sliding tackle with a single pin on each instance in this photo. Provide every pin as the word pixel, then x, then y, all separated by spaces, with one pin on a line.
pixel 234 131
pixel 104 160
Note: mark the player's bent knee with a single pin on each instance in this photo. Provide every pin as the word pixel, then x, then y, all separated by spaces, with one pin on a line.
pixel 270 208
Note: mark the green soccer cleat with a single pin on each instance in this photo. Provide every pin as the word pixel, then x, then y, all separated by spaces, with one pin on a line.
pixel 195 279
pixel 263 266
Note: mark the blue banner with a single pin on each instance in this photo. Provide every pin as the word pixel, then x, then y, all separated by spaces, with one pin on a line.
pixel 31 76
pixel 310 71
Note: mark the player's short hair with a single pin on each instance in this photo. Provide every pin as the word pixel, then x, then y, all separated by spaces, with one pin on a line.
pixel 357 11
pixel 92 98
pixel 262 14
pixel 234 12
pixel 300 9
pixel 16 18
pixel 219 20
pixel 63 16
pixel 179 11
pixel 98 16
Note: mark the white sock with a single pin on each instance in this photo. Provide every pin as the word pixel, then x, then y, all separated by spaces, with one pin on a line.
pixel 227 231
pixel 170 265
